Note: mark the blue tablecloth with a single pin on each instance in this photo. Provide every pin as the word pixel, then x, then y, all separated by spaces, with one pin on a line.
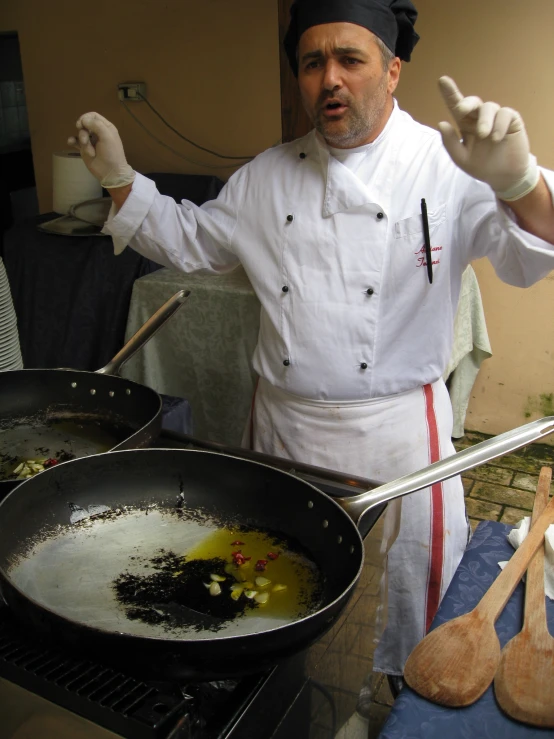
pixel 413 717
pixel 176 415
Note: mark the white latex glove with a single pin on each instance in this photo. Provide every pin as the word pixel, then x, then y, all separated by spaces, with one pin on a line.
pixel 102 150
pixel 494 146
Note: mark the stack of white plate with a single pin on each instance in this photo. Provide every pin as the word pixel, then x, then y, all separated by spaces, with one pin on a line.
pixel 10 351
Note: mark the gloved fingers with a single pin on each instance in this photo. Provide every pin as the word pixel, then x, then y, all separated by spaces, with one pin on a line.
pixel 459 106
pixel 92 128
pixel 466 114
pixel 94 122
pixel 502 124
pixel 458 152
pixel 99 129
pixel 487 121
pixel 497 122
pixel 449 91
pixel 516 123
pixel 465 110
pixel 85 143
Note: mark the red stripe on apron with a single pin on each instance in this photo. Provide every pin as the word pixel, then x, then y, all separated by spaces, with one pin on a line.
pixel 252 415
pixel 434 578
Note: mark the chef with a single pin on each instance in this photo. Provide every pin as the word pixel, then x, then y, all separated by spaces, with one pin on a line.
pixel 358 278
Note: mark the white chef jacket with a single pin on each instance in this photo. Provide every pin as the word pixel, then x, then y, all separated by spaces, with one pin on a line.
pixel 337 259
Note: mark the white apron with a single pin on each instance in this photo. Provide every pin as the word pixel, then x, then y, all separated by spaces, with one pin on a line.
pixel 382 439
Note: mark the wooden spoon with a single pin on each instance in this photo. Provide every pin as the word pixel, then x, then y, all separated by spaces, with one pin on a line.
pixel 524 680
pixel 455 663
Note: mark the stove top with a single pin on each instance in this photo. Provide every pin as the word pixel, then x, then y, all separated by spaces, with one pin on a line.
pixel 139 708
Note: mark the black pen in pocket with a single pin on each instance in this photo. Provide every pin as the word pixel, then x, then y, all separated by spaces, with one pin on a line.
pixel 427 240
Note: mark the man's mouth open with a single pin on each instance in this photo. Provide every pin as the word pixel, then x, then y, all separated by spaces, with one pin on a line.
pixel 333 108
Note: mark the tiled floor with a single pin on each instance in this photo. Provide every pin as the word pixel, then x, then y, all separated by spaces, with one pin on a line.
pixel 502 490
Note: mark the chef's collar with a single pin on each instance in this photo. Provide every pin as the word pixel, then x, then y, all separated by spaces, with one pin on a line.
pixel 390 20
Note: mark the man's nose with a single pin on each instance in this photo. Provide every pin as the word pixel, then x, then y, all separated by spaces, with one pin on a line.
pixel 332 75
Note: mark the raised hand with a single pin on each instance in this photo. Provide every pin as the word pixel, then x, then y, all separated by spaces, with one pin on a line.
pixel 102 150
pixel 494 147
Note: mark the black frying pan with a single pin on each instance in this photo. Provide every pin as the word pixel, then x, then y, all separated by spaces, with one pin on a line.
pixel 62 414
pixel 69 533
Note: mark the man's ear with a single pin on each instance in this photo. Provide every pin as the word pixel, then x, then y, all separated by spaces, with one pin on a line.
pixel 394 74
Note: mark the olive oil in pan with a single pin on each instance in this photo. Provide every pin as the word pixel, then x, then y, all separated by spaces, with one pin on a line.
pixel 295 584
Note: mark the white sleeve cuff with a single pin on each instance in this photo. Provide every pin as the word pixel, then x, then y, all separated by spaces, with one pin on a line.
pixel 123 224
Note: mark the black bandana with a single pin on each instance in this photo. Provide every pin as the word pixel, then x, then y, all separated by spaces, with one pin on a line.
pixel 391 20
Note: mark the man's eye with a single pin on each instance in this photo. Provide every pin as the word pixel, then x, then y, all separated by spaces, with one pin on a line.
pixel 312 65
pixel 352 60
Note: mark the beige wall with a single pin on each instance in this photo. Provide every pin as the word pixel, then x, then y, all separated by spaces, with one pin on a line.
pixel 211 67
pixel 501 50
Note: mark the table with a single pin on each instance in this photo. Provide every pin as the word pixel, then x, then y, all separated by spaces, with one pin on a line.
pixel 417 718
pixel 71 294
pixel 204 353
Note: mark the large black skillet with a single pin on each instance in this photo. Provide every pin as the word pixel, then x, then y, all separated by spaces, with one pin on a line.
pixel 59 554
pixel 64 413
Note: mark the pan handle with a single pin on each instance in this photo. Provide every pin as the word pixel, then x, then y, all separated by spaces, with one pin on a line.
pixel 481 453
pixel 145 333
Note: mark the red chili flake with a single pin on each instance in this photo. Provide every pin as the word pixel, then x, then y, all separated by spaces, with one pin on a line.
pixel 50 462
pixel 239 558
pixel 237 543
pixel 260 565
pixel 272 555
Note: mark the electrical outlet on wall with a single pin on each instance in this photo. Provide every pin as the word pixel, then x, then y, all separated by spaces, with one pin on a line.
pixel 131 91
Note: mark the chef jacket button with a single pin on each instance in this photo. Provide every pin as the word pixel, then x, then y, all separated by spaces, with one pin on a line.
pixel 363 365
pixel 302 155
pixel 286 362
pixel 290 218
pixel 369 291
pixel 285 288
pixel 380 216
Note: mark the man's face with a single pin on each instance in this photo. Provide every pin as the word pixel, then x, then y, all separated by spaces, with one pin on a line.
pixel 345 89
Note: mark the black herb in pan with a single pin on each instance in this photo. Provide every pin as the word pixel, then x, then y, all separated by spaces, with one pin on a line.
pixel 176 594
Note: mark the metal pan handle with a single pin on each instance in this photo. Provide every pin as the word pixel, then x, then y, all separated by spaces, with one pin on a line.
pixel 481 453
pixel 145 333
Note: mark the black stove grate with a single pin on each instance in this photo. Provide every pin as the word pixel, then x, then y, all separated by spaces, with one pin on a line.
pixel 123 704
pixel 105 696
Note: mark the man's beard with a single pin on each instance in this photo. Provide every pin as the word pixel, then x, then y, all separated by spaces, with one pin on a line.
pixel 361 123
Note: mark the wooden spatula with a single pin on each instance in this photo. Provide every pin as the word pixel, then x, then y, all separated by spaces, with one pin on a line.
pixel 454 664
pixel 523 682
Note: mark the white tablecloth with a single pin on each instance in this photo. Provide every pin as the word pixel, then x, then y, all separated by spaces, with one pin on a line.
pixel 204 352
